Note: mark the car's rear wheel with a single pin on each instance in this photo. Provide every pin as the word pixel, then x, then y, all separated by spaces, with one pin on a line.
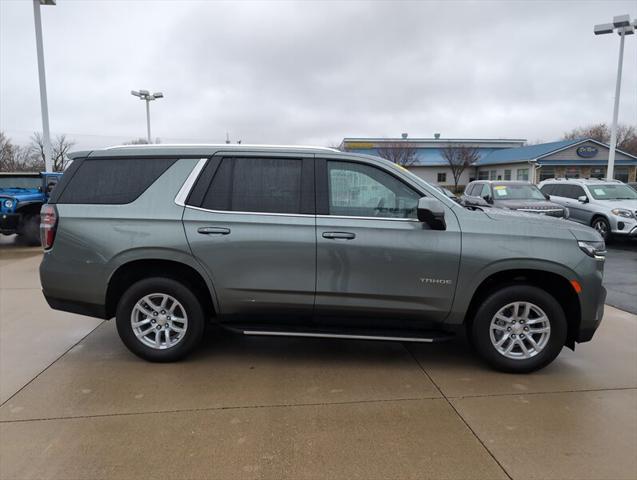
pixel 160 319
pixel 602 226
pixel 519 329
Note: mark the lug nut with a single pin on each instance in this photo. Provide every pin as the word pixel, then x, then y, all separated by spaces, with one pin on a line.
pixel 526 329
pixel 513 321
pixel 154 314
pixel 521 321
pixel 521 335
pixel 163 311
pixel 153 321
pixel 158 327
pixel 508 329
pixel 513 336
pixel 167 318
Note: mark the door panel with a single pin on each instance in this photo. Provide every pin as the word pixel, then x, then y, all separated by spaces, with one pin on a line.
pixel 391 267
pixel 258 263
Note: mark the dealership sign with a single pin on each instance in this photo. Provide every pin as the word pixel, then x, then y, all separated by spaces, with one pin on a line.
pixel 587 151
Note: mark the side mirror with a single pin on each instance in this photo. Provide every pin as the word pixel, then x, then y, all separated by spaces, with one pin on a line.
pixel 488 199
pixel 582 199
pixel 432 212
pixel 547 196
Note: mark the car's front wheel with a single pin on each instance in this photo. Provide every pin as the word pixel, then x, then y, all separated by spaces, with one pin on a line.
pixel 602 226
pixel 160 319
pixel 519 329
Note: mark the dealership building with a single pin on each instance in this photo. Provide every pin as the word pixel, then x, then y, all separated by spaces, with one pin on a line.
pixel 504 159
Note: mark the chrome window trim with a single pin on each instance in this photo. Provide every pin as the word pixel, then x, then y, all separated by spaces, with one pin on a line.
pixel 185 189
pixel 232 212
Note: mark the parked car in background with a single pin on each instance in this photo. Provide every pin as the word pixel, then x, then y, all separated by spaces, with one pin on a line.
pixel 21 198
pixel 447 192
pixel 609 206
pixel 633 185
pixel 511 195
pixel 309 242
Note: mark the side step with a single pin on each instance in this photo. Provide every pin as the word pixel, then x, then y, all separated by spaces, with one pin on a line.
pixel 421 336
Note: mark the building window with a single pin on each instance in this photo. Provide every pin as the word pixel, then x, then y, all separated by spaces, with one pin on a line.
pixel 483 175
pixel 507 174
pixel 492 174
pixel 572 172
pixel 598 172
pixel 442 178
pixel 546 173
pixel 621 174
pixel 523 174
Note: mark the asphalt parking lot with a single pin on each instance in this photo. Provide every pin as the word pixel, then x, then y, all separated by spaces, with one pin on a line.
pixel 77 404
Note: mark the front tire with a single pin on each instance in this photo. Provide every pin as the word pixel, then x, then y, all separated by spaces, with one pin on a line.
pixel 602 226
pixel 519 329
pixel 160 319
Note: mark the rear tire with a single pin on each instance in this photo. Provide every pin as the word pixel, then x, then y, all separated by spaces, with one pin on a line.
pixel 523 319
pixel 160 320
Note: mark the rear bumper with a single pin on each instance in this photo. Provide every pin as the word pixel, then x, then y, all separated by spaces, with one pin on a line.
pixel 80 308
pixel 9 222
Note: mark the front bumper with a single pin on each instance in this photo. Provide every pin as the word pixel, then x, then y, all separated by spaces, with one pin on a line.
pixel 592 318
pixel 9 222
pixel 624 226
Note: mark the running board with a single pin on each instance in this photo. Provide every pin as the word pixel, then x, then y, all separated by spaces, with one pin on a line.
pixel 422 337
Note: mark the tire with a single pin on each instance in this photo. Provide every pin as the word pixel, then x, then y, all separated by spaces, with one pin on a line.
pixel 602 226
pixel 184 336
pixel 30 230
pixel 510 305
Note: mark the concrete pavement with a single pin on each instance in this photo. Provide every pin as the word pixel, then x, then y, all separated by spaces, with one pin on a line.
pixel 296 408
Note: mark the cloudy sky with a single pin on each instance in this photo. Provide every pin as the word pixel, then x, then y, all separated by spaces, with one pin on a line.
pixel 314 72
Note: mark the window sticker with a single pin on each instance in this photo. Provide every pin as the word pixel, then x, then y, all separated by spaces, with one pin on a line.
pixel 599 191
pixel 501 192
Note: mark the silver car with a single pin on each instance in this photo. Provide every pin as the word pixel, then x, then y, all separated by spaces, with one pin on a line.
pixel 609 206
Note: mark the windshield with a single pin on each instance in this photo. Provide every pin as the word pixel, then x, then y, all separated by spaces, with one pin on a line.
pixel 20 182
pixel 517 192
pixel 611 191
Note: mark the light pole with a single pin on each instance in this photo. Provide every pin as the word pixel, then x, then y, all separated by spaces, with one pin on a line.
pixel 621 24
pixel 145 95
pixel 46 137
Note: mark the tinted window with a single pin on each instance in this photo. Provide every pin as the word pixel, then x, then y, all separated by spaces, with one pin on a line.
pixel 266 185
pixel 363 191
pixel 548 189
pixel 471 189
pixel 113 181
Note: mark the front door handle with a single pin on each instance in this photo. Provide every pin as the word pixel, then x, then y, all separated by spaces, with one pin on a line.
pixel 339 235
pixel 213 230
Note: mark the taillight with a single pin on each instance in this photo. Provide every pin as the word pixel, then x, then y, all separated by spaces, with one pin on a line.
pixel 48 225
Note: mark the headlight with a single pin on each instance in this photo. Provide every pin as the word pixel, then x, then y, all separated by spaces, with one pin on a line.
pixel 596 250
pixel 8 204
pixel 621 212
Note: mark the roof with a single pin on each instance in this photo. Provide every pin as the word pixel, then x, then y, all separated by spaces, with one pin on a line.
pixel 191 150
pixel 530 152
pixel 434 140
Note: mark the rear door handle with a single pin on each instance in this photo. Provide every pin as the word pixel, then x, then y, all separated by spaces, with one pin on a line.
pixel 213 230
pixel 339 235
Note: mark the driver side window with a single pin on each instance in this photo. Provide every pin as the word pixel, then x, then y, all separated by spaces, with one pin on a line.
pixel 357 190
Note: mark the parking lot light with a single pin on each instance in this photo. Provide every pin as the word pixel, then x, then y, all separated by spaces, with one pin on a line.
pixel 147 97
pixel 621 24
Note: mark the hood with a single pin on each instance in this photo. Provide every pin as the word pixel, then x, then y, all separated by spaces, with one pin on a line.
pixel 627 204
pixel 534 204
pixel 21 194
pixel 579 231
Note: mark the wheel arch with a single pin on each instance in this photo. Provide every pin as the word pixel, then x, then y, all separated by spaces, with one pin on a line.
pixel 553 283
pixel 134 270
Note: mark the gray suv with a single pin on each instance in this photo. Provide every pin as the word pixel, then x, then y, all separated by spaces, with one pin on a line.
pixel 610 207
pixel 308 242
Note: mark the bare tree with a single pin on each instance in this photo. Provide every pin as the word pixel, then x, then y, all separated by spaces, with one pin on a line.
pixel 626 135
pixel 13 158
pixel 459 157
pixel 59 149
pixel 401 153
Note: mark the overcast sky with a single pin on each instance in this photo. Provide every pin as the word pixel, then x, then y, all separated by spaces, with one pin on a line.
pixel 314 72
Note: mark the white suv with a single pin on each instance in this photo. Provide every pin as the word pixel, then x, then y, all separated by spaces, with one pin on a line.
pixel 609 206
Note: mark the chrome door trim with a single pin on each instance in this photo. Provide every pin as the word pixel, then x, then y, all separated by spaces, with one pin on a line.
pixel 182 195
pixel 393 219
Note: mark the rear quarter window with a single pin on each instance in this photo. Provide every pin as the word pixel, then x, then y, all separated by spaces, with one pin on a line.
pixel 112 181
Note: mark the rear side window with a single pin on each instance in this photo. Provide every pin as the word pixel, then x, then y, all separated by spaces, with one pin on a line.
pixel 548 189
pixel 262 185
pixel 113 181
